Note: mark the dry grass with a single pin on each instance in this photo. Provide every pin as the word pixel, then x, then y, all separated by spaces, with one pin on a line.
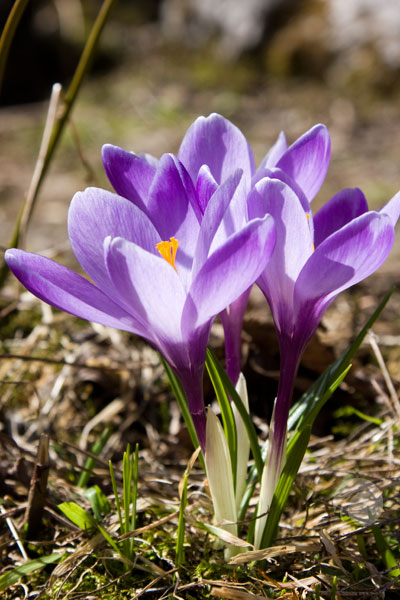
pixel 70 380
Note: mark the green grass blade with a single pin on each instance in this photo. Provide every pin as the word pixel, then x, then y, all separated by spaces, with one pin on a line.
pixel 349 411
pixel 134 493
pixel 226 411
pixel 110 541
pixel 181 399
pixel 126 494
pixel 230 389
pixel 14 575
pixel 78 515
pixel 386 553
pixel 295 453
pixel 91 462
pixel 180 537
pixel 305 410
pixel 116 496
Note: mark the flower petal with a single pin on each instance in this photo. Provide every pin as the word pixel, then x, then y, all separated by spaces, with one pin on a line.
pixel 218 217
pixel 95 214
pixel 275 153
pixel 229 272
pixel 129 174
pixel 205 187
pixel 307 160
pixel 392 209
pixel 343 259
pixel 216 142
pixel 151 287
pixel 68 291
pixel 293 243
pixel 275 173
pixel 339 210
pixel 172 199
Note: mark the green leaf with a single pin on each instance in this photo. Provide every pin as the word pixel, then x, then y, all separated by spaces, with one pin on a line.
pixel 230 389
pixel 295 452
pixel 90 462
pixel 386 553
pixel 304 412
pixel 224 535
pixel 98 501
pixel 110 541
pixel 14 575
pixel 226 412
pixel 78 515
pixel 349 411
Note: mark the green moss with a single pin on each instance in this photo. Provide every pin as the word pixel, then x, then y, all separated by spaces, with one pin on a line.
pixel 19 322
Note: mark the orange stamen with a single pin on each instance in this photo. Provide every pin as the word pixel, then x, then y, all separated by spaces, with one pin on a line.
pixel 168 250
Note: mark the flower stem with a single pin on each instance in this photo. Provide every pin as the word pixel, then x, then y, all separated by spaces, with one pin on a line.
pixel 232 322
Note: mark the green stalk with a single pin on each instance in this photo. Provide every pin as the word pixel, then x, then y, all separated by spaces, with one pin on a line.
pixel 59 124
pixel 8 33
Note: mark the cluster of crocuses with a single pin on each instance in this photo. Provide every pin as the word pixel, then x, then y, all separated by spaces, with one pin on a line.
pixel 185 237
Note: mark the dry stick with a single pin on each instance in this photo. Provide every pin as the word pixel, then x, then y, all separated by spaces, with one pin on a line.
pixel 62 117
pixel 27 207
pixel 38 489
pixel 15 534
pixel 385 372
pixel 8 33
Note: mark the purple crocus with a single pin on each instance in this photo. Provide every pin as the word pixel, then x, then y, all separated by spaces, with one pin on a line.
pixel 212 149
pixel 156 268
pixel 315 258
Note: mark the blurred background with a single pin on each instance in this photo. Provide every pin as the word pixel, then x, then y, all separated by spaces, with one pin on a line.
pixel 268 65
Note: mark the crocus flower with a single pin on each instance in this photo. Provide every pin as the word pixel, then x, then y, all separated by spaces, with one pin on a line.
pixel 315 258
pixel 154 268
pixel 212 149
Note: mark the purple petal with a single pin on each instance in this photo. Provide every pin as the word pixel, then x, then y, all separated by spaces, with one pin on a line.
pixel 171 209
pixel 337 212
pixel 216 142
pixel 343 259
pixel 205 187
pixel 229 272
pixel 275 173
pixel 129 174
pixel 68 291
pixel 307 160
pixel 216 217
pixel 150 286
pixel 95 214
pixel 275 153
pixel 294 243
pixel 392 209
